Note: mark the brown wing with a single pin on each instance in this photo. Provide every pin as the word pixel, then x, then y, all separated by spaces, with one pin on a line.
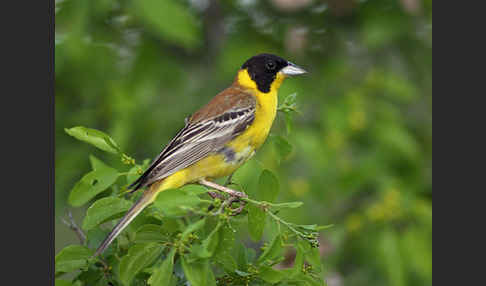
pixel 234 97
pixel 206 131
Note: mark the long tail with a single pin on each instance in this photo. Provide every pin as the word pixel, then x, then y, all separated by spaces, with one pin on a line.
pixel 144 201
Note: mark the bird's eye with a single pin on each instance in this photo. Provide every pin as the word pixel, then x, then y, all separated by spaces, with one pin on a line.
pixel 270 66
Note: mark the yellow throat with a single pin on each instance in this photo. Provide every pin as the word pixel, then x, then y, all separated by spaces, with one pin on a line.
pixel 266 109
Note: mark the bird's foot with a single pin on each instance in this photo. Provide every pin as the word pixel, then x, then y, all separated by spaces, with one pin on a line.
pixel 229 202
pixel 215 195
pixel 239 209
pixel 234 196
pixel 223 189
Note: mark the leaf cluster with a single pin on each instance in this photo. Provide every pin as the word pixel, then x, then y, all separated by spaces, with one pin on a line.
pixel 184 236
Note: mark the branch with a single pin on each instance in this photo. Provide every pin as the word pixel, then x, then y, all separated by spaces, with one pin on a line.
pixel 73 226
pixel 308 235
pixel 224 189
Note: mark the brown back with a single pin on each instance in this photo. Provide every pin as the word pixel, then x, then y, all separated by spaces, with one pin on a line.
pixel 234 97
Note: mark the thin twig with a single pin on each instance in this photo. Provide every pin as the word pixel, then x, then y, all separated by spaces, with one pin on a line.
pixel 243 198
pixel 279 220
pixel 265 206
pixel 73 226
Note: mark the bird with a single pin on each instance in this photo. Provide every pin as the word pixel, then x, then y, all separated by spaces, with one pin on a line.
pixel 218 138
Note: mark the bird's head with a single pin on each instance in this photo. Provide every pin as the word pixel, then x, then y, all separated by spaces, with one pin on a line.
pixel 266 72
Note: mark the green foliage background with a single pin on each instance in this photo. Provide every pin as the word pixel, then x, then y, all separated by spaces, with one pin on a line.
pixel 361 144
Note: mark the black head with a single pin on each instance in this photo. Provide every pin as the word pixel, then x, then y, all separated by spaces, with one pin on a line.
pixel 263 69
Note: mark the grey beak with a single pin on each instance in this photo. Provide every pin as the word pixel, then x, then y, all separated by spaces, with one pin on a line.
pixel 292 70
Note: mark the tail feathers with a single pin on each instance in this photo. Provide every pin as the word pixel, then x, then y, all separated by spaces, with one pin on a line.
pixel 144 201
pixel 136 185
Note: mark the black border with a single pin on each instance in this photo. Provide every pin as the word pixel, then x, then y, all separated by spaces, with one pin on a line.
pixel 51 140
pixel 26 143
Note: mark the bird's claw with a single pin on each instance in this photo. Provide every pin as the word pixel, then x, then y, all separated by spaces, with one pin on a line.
pixel 215 195
pixel 239 209
pixel 234 196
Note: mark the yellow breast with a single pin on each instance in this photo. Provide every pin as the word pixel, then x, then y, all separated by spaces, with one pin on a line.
pixel 266 109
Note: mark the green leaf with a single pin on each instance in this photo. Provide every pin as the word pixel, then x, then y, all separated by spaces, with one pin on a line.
pixel 311 255
pixel 250 255
pixel 139 256
pixel 210 244
pixel 311 227
pixel 283 147
pixel 59 282
pixel 268 186
pixel 95 137
pixel 298 261
pixel 197 251
pixel 92 184
pixel 241 258
pixel 198 273
pixel 193 227
pixel 174 202
pixel 170 225
pixel 136 171
pixel 210 279
pixel 95 236
pixel 96 163
pixel 171 19
pixel 256 222
pixel 194 189
pixel 273 251
pixel 162 276
pixel 314 259
pixel 105 209
pixel 271 275
pixel 322 227
pixel 290 205
pixel 72 258
pixel 290 101
pixel 227 261
pixel 307 280
pixel 289 121
pixel 304 252
pixel 150 233
pixel 242 273
pixel 92 276
pixel 289 107
pixel 289 104
pixel 145 217
pixel 225 248
pixel 268 190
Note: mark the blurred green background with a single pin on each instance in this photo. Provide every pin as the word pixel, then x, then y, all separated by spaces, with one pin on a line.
pixel 362 142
